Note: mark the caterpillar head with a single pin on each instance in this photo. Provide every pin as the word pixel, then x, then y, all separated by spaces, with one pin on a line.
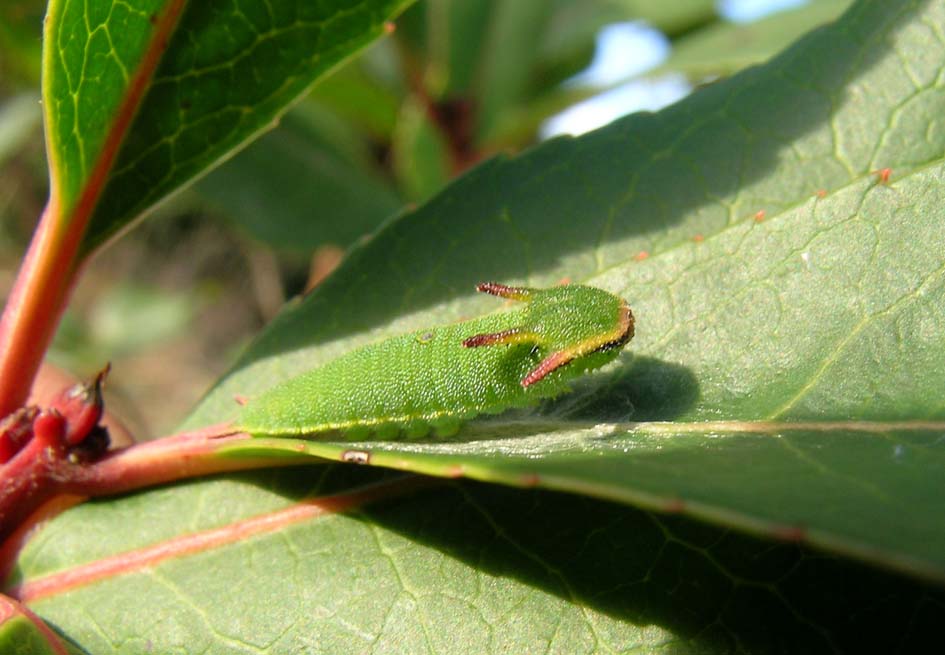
pixel 573 323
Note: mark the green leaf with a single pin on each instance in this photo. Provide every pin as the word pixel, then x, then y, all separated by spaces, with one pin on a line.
pixel 723 48
pixel 704 51
pixel 142 99
pixel 670 17
pixel 20 48
pixel 508 58
pixel 786 371
pixel 23 633
pixel 297 190
pixel 269 562
pixel 447 37
pixel 420 155
pixel 126 319
pixel 366 91
pixel 569 41
pixel 19 122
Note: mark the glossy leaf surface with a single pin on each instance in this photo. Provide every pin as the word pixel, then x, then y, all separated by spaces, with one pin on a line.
pixel 723 47
pixel 294 191
pixel 788 354
pixel 143 98
pixel 266 563
pixel 23 633
pixel 785 378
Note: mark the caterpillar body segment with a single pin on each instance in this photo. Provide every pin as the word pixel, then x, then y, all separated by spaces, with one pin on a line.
pixel 438 378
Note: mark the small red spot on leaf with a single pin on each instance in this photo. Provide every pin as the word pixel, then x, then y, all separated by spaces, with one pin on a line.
pixel 531 480
pixel 883 175
pixel 759 216
pixel 640 256
pixel 455 471
pixel 240 399
pixel 792 533
pixel 821 193
pixel 674 506
pixel 389 27
pixel 698 238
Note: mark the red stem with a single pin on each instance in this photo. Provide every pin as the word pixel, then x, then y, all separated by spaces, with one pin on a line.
pixel 180 456
pixel 33 308
pixel 49 268
pixel 24 487
pixel 41 471
pixel 11 609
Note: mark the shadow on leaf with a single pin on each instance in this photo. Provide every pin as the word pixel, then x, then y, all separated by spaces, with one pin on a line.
pixel 713 589
pixel 598 200
pixel 640 389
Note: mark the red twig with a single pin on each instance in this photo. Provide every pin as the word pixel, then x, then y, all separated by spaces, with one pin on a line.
pixel 33 309
pixel 11 609
pixel 190 454
pixel 43 470
pixel 50 266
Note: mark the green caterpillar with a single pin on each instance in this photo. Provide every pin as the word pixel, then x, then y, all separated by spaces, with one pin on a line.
pixel 440 377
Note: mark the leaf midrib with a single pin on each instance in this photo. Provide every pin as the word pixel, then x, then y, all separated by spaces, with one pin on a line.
pixel 192 543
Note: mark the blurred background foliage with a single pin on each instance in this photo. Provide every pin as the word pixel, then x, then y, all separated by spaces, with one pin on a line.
pixel 455 82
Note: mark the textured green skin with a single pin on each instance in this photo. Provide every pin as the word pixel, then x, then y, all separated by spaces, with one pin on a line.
pixel 428 378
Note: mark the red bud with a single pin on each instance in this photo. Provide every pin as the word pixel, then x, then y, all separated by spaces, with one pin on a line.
pixel 81 406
